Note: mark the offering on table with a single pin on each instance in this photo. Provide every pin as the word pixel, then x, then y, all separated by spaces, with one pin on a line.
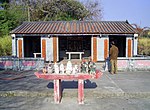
pixel 84 66
pixel 50 68
pixel 62 69
pixel 56 68
pixel 91 66
pixel 69 67
pixel 44 70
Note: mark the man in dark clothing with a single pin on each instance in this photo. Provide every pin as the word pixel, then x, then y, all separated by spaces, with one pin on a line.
pixel 113 57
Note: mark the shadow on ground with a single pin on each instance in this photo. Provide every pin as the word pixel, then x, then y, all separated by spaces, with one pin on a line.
pixel 74 84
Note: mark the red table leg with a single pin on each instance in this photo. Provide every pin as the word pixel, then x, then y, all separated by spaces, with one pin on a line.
pixel 80 91
pixel 57 90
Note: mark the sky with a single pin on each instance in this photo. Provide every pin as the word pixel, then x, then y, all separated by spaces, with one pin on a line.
pixel 135 11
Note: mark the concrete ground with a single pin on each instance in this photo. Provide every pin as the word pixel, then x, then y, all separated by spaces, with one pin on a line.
pixel 122 91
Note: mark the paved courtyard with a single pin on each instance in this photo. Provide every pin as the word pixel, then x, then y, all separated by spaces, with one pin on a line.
pixel 122 91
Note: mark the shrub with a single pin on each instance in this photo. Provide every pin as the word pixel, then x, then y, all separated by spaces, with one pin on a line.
pixel 144 46
pixel 5 46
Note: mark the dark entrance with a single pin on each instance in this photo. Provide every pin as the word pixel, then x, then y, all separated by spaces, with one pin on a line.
pixel 74 44
pixel 32 44
pixel 120 42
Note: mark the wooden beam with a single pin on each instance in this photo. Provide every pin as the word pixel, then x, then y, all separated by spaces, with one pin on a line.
pixel 94 49
pixel 55 49
pixel 129 47
pixel 20 48
pixel 105 48
pixel 44 48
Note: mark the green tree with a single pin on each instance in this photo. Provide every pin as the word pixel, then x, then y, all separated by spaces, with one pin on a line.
pixel 94 9
pixel 46 10
pixel 14 12
pixel 10 18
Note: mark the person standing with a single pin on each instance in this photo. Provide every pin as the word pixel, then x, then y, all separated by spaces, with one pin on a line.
pixel 113 57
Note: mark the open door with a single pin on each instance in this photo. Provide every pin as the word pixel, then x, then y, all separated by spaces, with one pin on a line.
pixel 120 42
pixel 32 44
pixel 74 44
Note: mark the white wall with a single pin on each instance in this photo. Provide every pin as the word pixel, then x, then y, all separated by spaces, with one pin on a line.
pixel 49 49
pixel 57 49
pixel 14 45
pixel 135 46
pixel 100 48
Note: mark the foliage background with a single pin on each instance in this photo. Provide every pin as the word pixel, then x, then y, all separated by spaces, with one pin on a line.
pixel 5 46
pixel 15 12
pixel 144 46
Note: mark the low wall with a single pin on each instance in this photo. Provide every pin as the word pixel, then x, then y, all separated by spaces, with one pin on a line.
pixel 131 64
pixel 21 63
pixel 124 64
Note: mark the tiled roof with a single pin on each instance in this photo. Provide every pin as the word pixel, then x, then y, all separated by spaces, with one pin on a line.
pixel 75 27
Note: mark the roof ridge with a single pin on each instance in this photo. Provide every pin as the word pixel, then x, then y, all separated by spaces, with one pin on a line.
pixel 71 21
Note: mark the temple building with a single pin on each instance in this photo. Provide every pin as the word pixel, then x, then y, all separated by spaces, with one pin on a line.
pixel 56 40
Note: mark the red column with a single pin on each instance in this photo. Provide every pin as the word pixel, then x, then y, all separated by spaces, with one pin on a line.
pixel 105 48
pixel 94 48
pixel 55 49
pixel 20 48
pixel 129 47
pixel 57 90
pixel 44 49
pixel 80 91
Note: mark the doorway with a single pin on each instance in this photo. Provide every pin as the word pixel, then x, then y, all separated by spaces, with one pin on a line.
pixel 32 44
pixel 120 42
pixel 74 44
